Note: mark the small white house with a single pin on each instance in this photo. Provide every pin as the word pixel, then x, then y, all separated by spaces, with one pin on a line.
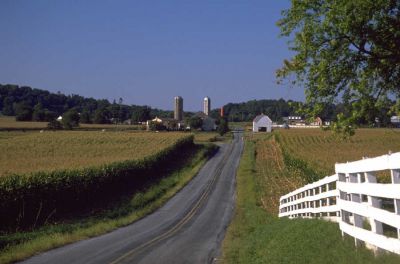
pixel 262 123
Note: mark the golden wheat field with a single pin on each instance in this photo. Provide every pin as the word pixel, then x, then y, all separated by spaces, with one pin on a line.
pixel 34 151
pixel 322 150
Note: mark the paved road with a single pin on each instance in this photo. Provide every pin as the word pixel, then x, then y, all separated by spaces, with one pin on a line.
pixel 189 228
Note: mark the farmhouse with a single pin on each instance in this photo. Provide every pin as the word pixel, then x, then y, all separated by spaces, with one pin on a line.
pixel 395 120
pixel 317 122
pixel 262 123
pixel 294 121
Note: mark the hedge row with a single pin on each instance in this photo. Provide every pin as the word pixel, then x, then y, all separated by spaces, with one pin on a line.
pixel 27 201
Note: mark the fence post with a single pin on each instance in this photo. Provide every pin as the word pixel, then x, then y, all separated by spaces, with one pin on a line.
pixel 356 198
pixel 395 175
pixel 376 226
pixel 344 216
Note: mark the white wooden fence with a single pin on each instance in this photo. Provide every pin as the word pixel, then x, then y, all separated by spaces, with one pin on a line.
pixel 365 209
pixel 317 199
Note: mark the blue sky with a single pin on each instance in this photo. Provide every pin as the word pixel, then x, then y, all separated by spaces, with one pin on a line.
pixel 146 52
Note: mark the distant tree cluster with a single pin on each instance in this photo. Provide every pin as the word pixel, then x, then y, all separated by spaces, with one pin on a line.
pixel 28 104
pixel 275 109
pixel 246 111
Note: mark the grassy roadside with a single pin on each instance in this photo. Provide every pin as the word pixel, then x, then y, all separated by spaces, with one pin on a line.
pixel 23 245
pixel 257 235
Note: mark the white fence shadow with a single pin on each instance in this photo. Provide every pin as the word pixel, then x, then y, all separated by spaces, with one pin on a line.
pixel 365 209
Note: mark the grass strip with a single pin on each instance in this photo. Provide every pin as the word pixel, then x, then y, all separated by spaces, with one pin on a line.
pixel 256 236
pixel 24 245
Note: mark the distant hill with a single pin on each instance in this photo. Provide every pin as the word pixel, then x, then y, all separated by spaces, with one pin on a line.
pixel 29 104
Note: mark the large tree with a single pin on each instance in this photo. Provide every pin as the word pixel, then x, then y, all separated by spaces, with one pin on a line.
pixel 141 114
pixel 345 51
pixel 70 119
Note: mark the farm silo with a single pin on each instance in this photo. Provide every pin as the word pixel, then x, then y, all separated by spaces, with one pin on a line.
pixel 207 105
pixel 178 113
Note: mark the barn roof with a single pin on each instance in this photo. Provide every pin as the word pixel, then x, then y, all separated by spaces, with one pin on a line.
pixel 258 118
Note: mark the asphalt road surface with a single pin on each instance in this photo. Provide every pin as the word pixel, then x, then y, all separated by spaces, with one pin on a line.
pixel 189 228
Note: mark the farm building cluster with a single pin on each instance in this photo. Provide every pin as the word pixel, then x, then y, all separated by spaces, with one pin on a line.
pixel 262 123
pixel 178 123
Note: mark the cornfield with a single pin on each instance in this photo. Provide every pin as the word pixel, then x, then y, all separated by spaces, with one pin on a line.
pixel 92 169
pixel 322 150
pixel 23 153
pixel 288 159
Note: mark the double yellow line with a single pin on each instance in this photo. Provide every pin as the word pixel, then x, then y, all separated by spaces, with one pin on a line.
pixel 186 218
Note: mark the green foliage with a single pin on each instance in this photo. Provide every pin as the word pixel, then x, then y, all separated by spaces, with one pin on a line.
pixel 298 166
pixel 102 116
pixel 28 201
pixel 295 165
pixel 223 127
pixel 70 119
pixel 38 113
pixel 347 51
pixel 23 112
pixel 247 111
pixel 54 125
pixel 141 114
pixel 7 106
pixel 49 115
pixel 195 122
pixel 100 111
pixel 85 117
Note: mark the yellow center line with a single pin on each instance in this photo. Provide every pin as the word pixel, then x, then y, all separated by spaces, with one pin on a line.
pixel 185 219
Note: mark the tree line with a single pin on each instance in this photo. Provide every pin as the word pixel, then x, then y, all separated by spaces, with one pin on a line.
pixel 30 104
pixel 275 109
pixel 278 109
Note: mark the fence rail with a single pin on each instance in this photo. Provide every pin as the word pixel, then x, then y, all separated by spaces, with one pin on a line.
pixel 315 199
pixel 365 208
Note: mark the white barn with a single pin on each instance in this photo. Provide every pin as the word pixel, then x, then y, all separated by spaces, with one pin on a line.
pixel 262 123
